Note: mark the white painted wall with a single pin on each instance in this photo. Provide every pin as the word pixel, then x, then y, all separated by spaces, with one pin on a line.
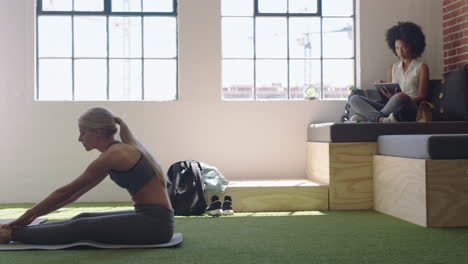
pixel 245 140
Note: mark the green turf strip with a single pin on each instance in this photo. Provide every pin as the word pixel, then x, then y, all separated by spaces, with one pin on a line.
pixel 286 237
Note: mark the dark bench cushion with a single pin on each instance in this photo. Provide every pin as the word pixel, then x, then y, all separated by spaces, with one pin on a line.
pixel 424 146
pixel 453 94
pixel 368 132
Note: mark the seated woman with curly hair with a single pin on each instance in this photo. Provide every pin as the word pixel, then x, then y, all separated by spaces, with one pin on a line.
pixel 407 41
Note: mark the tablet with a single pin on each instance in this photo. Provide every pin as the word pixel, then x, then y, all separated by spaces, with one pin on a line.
pixel 390 86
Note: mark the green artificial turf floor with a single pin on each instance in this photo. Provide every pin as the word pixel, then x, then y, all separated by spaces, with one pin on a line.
pixel 286 237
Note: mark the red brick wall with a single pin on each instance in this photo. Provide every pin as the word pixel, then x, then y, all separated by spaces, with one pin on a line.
pixel 455 15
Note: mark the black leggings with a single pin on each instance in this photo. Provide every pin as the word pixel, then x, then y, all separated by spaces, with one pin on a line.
pixel 147 224
pixel 404 109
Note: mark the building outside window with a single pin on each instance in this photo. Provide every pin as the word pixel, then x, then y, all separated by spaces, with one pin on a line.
pixel 287 49
pixel 106 50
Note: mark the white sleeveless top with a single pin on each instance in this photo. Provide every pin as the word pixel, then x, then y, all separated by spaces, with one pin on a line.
pixel 409 80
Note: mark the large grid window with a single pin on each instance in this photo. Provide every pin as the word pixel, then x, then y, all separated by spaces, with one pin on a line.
pixel 287 49
pixel 116 50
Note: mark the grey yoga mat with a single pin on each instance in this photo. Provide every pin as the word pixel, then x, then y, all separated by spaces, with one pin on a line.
pixel 175 241
pixel 35 222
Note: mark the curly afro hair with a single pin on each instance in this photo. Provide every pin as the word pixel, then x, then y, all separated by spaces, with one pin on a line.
pixel 409 33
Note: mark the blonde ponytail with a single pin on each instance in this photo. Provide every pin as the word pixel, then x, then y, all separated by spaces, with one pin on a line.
pixel 128 137
pixel 99 117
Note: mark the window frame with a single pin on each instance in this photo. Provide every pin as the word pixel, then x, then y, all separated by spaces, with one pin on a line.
pixel 107 13
pixel 318 14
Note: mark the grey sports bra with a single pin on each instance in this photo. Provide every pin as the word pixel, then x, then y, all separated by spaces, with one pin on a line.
pixel 134 178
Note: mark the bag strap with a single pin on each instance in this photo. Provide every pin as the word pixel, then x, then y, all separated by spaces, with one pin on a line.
pixel 198 182
pixel 175 169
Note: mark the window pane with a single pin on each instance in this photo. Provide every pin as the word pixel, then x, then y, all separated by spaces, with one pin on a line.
pixel 56 5
pixel 125 37
pixel 337 7
pixel 272 6
pixel 54 34
pixel 338 76
pixel 271 77
pixel 304 38
pixel 158 5
pixel 125 80
pixel 126 5
pixel 303 6
pixel 90 79
pixel 160 80
pixel 90 36
pixel 238 79
pixel 303 74
pixel 55 79
pixel 338 35
pixel 237 37
pixel 89 5
pixel 160 37
pixel 237 8
pixel 271 38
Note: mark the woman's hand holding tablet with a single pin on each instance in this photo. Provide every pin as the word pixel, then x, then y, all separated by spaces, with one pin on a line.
pixel 388 89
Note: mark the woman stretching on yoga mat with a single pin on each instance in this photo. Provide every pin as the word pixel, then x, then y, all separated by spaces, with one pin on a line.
pixel 131 166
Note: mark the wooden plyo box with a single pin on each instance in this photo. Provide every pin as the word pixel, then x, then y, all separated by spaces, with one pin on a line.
pixel 430 193
pixel 276 195
pixel 347 169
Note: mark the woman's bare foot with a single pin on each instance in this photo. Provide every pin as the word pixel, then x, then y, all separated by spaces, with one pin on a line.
pixel 389 119
pixel 5 235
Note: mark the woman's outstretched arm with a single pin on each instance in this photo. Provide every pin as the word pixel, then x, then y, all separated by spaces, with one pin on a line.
pixel 77 195
pixel 94 174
